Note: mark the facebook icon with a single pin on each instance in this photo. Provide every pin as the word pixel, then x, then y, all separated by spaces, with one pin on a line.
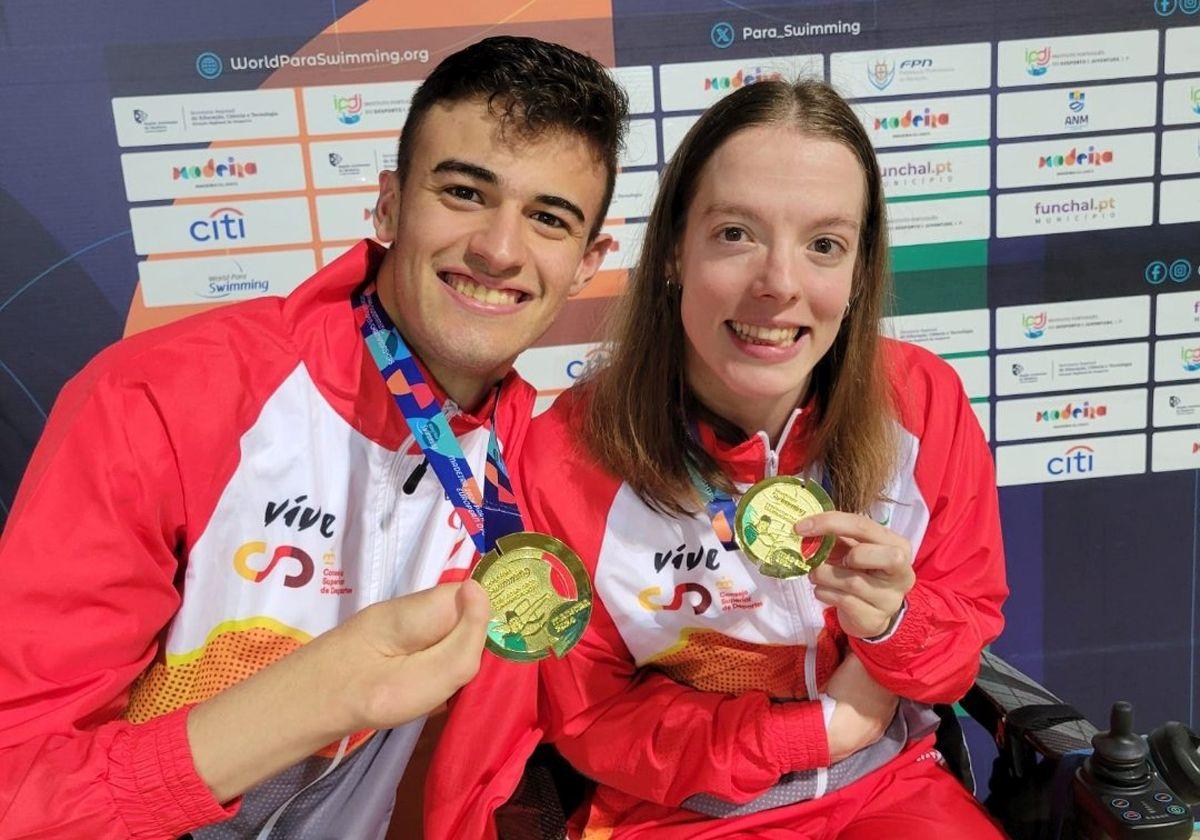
pixel 1155 272
pixel 1165 7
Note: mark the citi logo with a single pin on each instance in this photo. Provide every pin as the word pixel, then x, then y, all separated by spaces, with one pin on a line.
pixel 1037 62
pixel 1034 325
pixel 348 108
pixel 881 74
pixel 740 79
pixel 1070 411
pixel 1090 157
pixel 1075 461
pixel 593 358
pixel 648 598
pixel 224 223
pixel 910 119
pixel 1190 358
pixel 229 169
pixel 302 569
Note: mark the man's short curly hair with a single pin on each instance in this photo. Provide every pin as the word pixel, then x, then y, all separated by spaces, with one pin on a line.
pixel 531 87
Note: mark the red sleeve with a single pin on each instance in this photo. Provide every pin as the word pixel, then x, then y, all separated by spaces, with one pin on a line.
pixel 89 566
pixel 636 729
pixel 954 607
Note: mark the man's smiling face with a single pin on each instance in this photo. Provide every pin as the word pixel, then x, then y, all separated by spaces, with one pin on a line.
pixel 490 234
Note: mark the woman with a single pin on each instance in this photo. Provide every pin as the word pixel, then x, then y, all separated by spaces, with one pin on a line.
pixel 708 699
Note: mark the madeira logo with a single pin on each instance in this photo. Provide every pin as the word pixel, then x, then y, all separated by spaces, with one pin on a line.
pixel 740 79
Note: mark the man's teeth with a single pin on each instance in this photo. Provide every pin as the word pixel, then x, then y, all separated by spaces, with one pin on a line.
pixel 780 336
pixel 483 294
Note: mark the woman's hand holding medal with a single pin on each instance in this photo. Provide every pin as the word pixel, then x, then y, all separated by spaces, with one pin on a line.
pixel 867 575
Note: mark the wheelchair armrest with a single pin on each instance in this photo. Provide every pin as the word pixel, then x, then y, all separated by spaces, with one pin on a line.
pixel 1025 718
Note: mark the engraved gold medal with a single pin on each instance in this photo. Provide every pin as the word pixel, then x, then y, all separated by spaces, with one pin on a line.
pixel 765 525
pixel 540 596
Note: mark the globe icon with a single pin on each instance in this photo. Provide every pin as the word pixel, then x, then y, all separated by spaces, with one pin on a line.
pixel 208 65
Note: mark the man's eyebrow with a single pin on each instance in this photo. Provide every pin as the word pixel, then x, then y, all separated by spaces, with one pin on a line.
pixel 471 170
pixel 562 204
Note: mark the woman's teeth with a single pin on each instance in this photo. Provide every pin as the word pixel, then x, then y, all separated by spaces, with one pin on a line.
pixel 777 336
pixel 483 294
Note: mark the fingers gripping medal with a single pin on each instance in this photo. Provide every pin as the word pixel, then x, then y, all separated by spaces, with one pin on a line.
pixel 540 595
pixel 765 525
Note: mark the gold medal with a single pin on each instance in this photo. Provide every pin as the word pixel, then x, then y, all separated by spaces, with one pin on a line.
pixel 540 595
pixel 765 525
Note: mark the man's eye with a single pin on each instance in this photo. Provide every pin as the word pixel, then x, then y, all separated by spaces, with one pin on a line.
pixel 462 193
pixel 549 219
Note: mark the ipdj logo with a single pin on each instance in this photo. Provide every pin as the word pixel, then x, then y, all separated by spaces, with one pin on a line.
pixel 1037 62
pixel 348 108
pixel 1194 94
pixel 293 580
pixel 721 35
pixel 224 223
pixel 208 65
pixel 1076 100
pixel 1075 461
pixel 648 598
pixel 1034 325
pixel 881 74
pixel 1189 357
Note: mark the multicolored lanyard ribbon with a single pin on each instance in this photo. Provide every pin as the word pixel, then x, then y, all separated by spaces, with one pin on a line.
pixel 487 516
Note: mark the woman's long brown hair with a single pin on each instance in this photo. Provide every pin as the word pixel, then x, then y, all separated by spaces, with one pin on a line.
pixel 636 424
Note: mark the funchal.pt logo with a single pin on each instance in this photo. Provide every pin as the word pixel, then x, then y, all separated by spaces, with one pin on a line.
pixel 1091 156
pixel 1037 61
pixel 348 108
pixel 1034 325
pixel 881 73
pixel 740 79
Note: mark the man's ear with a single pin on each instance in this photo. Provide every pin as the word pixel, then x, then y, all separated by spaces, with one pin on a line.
pixel 387 206
pixel 592 259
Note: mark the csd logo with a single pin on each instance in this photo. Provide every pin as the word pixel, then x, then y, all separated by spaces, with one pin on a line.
pixel 703 601
pixel 296 578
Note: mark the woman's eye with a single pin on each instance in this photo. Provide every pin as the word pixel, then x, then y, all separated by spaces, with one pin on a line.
pixel 733 234
pixel 825 245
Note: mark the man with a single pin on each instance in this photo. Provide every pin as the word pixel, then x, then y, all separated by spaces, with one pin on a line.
pixel 245 488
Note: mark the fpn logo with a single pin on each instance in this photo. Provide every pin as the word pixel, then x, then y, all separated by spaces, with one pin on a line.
pixel 209 66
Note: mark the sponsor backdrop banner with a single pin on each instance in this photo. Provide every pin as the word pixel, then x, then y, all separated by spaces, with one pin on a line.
pixel 1042 169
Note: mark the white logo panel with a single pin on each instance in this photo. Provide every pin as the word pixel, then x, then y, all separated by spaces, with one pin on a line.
pixel 1177 405
pixel 633 195
pixel 1179 201
pixel 1181 101
pixel 1073 322
pixel 1070 211
pixel 1070 460
pixel 638 83
pixel 554 369
pixel 917 122
pixel 641 144
pixel 974 373
pixel 1175 451
pixel 351 163
pixel 1073 110
pixel 1070 160
pixel 1177 358
pixel 911 70
pixel 673 131
pixel 223 279
pixel 217 227
pixel 1183 50
pixel 965 331
pixel 1177 312
pixel 698 84
pixel 1077 414
pixel 936 171
pixel 1181 151
pixel 346 215
pixel 1048 61
pixel 626 246
pixel 188 173
pixel 984 416
pixel 1076 368
pixel 353 108
pixel 203 117
pixel 938 221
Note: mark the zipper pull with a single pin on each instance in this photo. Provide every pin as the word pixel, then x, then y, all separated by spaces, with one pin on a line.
pixel 414 478
pixel 772 463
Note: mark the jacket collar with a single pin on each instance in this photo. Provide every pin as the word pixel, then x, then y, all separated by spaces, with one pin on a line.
pixel 750 459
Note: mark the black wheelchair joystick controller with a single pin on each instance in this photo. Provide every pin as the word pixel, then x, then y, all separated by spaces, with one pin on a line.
pixel 1119 794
